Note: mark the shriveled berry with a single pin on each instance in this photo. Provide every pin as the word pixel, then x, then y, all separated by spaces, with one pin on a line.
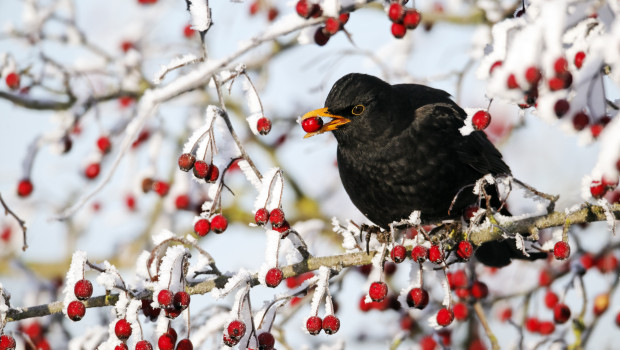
pixel 464 250
pixel 321 37
pixel 398 30
pixel 76 310
pixel 266 341
pixel 92 170
pixel 445 317
pixel 417 298
pixel 378 291
pixel 24 188
pixel 185 344
pixel 396 12
pixel 165 342
pixel 580 121
pixel 561 107
pixel 398 253
pixel 419 253
pixel 186 161
pixel 165 299
pixel 201 168
pixel 144 345
pixel 276 217
pixel 435 254
pixel 261 216
pixel 314 324
pixel 481 120
pixel 236 329
pixel 83 289
pixel 551 299
pixel 331 324
pixel 202 227
pixel 122 329
pixel 561 313
pixel 273 277
pixel 412 19
pixel 7 342
pixel 181 300
pixel 561 250
pixel 461 312
pixel 219 223
pixel 312 124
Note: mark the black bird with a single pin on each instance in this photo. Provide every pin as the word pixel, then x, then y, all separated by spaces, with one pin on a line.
pixel 400 150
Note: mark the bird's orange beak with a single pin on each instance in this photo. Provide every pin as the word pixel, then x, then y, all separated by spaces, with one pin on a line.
pixel 332 125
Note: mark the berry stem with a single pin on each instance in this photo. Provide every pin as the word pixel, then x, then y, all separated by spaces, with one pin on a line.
pixel 485 325
pixel 22 223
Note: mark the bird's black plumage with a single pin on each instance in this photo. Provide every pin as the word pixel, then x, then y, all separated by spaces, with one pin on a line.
pixel 405 152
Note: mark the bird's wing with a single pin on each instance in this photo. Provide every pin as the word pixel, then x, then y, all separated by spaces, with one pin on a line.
pixel 478 152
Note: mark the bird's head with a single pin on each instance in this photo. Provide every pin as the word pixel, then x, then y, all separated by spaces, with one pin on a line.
pixel 358 106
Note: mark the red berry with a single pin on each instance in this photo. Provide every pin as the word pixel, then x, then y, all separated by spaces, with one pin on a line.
pixel 273 277
pixel 532 75
pixel 561 250
pixel 321 37
pixel 580 121
pixel 332 26
pixel 396 12
pixel 546 327
pixel 236 329
pixel 445 317
pixel 378 291
pixel 312 124
pixel 545 278
pixel 561 107
pixel 7 342
pixel 228 341
pixel 556 84
pixel 596 130
pixel 165 299
pixel 186 161
pixel 481 120
pixel 511 83
pixel 398 253
pixel 344 18
pixel 12 80
pixel 144 345
pixel 417 298
pixel 172 313
pixel 597 189
pixel 283 229
pixel 185 344
pixel 314 324
pixel 419 253
pixel 560 66
pixel 201 168
pixel 263 125
pixel 272 14
pixel 331 324
pixel 276 217
pixel 24 188
pixel 182 202
pixel 161 187
pixel 561 313
pixel 104 144
pixel 181 300
pixel 261 217
pixel 460 311
pixel 464 250
pixel 412 19
pixel 428 343
pixel 607 263
pixel 587 260
pixel 479 290
pixel 188 32
pixel 398 30
pixel 202 227
pixel 92 170
pixel 363 305
pixel 303 8
pixel 551 299
pixel 495 65
pixel 435 254
pixel 266 341
pixel 83 289
pixel 579 57
pixel 76 310
pixel 122 329
pixel 165 342
pixel 458 279
pixel 219 223
pixel 506 314
pixel 532 324
pixel 254 7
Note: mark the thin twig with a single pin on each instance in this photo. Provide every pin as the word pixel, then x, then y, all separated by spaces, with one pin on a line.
pixel 485 325
pixel 22 223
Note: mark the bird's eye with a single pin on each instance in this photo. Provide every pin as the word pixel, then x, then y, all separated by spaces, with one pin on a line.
pixel 357 110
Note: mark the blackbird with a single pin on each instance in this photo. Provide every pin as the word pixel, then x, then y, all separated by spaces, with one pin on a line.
pixel 400 150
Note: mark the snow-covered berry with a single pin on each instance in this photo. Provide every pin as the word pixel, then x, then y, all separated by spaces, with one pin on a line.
pixel 165 298
pixel 186 161
pixel 144 345
pixel 181 300
pixel 435 254
pixel 314 324
pixel 419 253
pixel 378 290
pixel 273 277
pixel 202 227
pixel 83 289
pixel 261 216
pixel 561 250
pixel 76 310
pixel 398 253
pixel 331 324
pixel 122 329
pixel 201 168
pixel 219 223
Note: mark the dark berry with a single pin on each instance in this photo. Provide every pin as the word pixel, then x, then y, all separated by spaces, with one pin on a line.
pixel 185 344
pixel 266 341
pixel 580 121
pixel 321 37
pixel 186 161
pixel 181 300
pixel 417 298
pixel 561 313
pixel 561 107
pixel 212 173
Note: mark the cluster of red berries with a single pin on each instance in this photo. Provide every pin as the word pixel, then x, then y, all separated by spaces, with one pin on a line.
pixel 202 170
pixel 402 19
pixel 332 26
pixel 168 340
pixel 32 330
pixel 218 224
pixel 12 80
pixel 158 186
pixel 330 324
pixel 605 263
pixel 173 303
pixel 266 341
pixel 83 290
pixel 534 325
pixel 275 217
pixel 598 189
pixel 272 11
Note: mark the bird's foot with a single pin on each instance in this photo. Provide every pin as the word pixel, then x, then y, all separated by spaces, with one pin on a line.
pixel 382 236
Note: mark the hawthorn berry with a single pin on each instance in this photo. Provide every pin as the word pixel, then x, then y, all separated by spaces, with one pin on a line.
pixel 236 329
pixel 263 125
pixel 481 120
pixel 12 80
pixel 532 75
pixel 161 187
pixel 83 289
pixel 412 19
pixel 201 168
pixel 314 324
pixel 396 12
pixel 276 217
pixel 7 342
pixel 185 344
pixel 428 343
pixel 212 173
pixel 202 227
pixel 165 298
pixel 607 263
pixel 261 216
pixel 546 327
pixel 122 329
pixel 172 313
pixel 344 18
pixel 273 277
pixel 331 324
pixel 272 14
pixel 551 299
pixel 560 66
pixel 561 250
pixel 505 314
pixel 303 8
pixel 419 253
pixel 186 161
pixel 398 30
pixel 378 291
pixel 579 57
pixel 332 26
pixel 266 341
pixel 435 254
pixel 76 310
pixel 312 124
pixel 511 83
pixel 457 279
pixel 219 223
pixel 165 342
pixel 596 129
pixel 556 83
pixel 545 278
pixel 398 253
pixel 445 317
pixel 24 188
pixel 460 311
pixel 144 345
pixel 182 202
pixel 561 313
pixel 321 37
pixel 532 324
pixel 479 290
pixel 104 144
pixel 181 300
pixel 495 65
pixel 597 190
pixel 417 298
pixel 283 229
pixel 188 32
pixel 92 170
pixel 580 121
pixel 561 107
pixel 464 250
